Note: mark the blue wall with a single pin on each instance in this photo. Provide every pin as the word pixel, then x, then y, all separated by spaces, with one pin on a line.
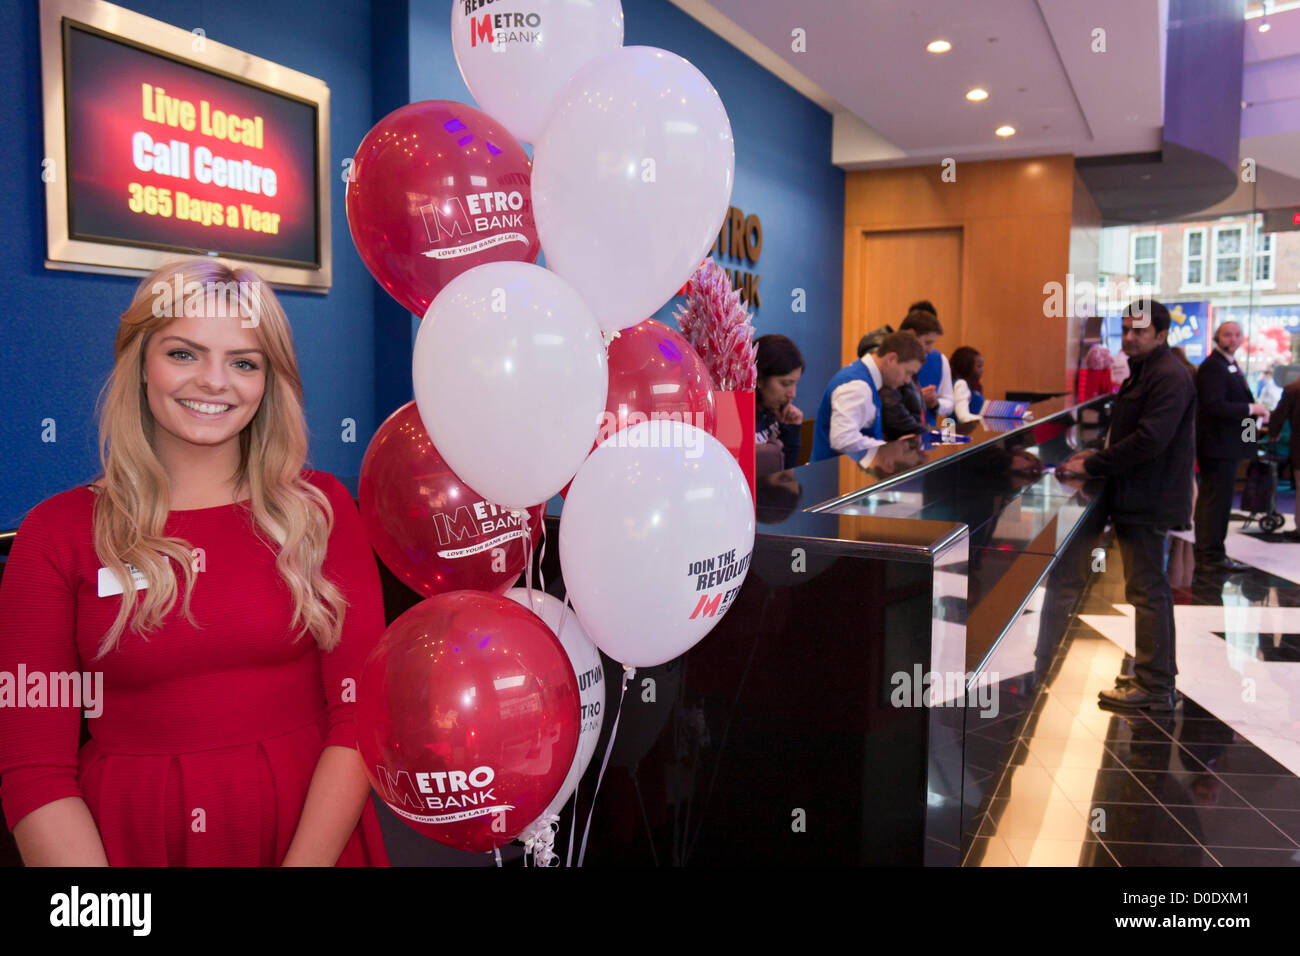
pixel 60 327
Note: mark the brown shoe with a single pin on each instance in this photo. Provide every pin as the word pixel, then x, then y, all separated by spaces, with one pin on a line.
pixel 1133 696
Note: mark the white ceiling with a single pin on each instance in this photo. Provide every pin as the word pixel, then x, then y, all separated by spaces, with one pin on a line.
pixel 895 104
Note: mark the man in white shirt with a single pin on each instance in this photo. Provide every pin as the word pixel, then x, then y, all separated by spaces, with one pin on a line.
pixel 849 420
pixel 935 376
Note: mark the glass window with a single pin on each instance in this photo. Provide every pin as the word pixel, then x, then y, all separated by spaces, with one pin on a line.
pixel 1263 255
pixel 1228 255
pixel 1194 257
pixel 1146 259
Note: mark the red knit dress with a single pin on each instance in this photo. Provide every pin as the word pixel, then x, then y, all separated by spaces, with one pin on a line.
pixel 208 738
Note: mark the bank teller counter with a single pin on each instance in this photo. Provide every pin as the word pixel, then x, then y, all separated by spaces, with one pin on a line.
pixel 807 727
pixel 1031 550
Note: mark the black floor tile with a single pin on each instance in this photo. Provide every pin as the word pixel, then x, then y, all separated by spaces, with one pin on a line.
pixel 1116 786
pixel 1134 728
pixel 1265 792
pixel 1154 755
pixel 1288 821
pixel 1231 826
pixel 1153 854
pixel 1235 758
pixel 1135 823
pixel 1202 789
pixel 1232 856
pixel 1202 732
pixel 1097 855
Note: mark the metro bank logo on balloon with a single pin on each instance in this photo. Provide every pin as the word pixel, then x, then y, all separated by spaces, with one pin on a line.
pixel 457 218
pixel 713 572
pixel 482 520
pixel 496 29
pixel 469 794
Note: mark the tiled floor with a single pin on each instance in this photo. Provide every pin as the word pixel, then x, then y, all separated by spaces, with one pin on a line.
pixel 1212 784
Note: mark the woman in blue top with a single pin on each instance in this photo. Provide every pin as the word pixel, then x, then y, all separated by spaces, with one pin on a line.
pixel 776 418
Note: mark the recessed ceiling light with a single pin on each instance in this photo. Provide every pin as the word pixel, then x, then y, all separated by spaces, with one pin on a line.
pixel 977 94
pixel 1005 131
pixel 938 46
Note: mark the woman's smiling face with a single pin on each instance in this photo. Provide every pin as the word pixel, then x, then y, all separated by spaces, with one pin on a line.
pixel 204 377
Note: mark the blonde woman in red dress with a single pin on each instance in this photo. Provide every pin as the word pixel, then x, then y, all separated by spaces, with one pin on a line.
pixel 229 662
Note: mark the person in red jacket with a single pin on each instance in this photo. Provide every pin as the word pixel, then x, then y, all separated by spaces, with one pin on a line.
pixel 216 598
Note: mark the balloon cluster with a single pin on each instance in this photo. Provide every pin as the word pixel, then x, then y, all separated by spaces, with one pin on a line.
pixel 480 708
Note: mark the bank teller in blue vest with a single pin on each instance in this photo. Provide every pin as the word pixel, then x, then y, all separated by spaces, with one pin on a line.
pixel 935 377
pixel 849 418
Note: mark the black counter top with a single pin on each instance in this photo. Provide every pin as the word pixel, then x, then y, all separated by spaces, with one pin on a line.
pixel 838 481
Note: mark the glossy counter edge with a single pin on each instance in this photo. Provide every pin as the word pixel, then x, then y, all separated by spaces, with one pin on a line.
pixel 959 453
pixel 910 543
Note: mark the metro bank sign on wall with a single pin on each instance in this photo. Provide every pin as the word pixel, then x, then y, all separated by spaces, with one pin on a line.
pixel 165 154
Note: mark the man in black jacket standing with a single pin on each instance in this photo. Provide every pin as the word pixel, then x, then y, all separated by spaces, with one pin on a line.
pixel 1224 409
pixel 1147 463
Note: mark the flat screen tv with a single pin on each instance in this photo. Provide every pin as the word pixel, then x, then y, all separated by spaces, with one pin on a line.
pixel 162 143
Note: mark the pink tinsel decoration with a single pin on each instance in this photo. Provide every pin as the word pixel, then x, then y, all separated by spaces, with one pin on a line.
pixel 717 326
pixel 1098 357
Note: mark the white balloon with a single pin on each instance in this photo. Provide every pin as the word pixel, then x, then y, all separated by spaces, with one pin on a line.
pixel 510 380
pixel 631 180
pixel 515 62
pixel 591 682
pixel 656 537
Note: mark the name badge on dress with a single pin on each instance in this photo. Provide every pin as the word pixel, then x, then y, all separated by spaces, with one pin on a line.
pixel 109 583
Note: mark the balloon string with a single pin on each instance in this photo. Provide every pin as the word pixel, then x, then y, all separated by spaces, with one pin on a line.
pixel 541 557
pixel 497 851
pixel 528 561
pixel 628 674
pixel 568 860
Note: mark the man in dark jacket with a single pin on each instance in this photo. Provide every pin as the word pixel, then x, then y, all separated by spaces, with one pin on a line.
pixel 1224 407
pixel 1147 464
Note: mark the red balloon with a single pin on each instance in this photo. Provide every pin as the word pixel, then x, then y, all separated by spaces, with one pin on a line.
pixel 430 529
pixel 467 718
pixel 435 189
pixel 654 373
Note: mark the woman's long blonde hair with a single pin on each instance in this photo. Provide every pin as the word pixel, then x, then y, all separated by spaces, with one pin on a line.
pixel 132 506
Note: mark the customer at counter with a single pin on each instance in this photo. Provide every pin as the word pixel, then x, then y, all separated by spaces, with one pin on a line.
pixel 1224 406
pixel 935 375
pixel 967 389
pixel 849 419
pixel 1288 410
pixel 904 410
pixel 776 418
pixel 1147 463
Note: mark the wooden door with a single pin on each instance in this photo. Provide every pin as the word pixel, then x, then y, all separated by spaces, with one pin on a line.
pixel 895 269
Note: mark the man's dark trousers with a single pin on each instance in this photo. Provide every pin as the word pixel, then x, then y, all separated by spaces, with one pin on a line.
pixel 1218 477
pixel 1142 548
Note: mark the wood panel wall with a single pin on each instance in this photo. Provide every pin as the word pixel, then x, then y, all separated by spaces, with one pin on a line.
pixel 1016 218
